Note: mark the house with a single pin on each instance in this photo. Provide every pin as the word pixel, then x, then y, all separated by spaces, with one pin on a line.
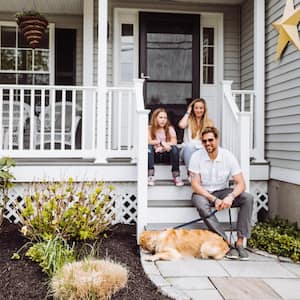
pixel 74 106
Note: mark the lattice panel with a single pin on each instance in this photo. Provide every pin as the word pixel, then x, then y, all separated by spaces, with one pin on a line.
pixel 259 189
pixel 122 210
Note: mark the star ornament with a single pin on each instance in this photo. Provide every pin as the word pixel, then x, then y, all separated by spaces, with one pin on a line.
pixel 287 28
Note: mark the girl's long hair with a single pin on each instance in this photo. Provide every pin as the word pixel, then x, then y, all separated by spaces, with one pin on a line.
pixel 154 124
pixel 196 129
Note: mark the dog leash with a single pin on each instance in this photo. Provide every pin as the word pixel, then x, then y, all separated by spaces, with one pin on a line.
pixel 194 221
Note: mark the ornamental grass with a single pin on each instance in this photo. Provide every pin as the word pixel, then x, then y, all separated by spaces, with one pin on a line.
pixel 89 279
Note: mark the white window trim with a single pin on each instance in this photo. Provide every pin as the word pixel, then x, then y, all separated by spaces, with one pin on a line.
pixel 51 51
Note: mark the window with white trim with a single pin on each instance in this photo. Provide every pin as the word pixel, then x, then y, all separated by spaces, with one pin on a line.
pixel 208 58
pixel 19 63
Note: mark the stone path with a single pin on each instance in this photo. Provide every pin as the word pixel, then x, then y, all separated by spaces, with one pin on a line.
pixel 260 278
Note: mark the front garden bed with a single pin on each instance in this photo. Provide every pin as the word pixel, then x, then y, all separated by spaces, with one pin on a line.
pixel 23 279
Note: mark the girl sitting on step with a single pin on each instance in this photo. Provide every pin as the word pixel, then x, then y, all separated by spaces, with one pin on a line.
pixel 162 147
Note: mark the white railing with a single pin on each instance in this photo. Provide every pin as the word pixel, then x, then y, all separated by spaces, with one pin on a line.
pixel 68 121
pixel 236 126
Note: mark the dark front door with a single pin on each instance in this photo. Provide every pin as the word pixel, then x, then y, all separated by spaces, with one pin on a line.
pixel 169 61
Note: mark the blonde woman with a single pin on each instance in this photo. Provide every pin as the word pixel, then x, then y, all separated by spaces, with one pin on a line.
pixel 162 147
pixel 193 122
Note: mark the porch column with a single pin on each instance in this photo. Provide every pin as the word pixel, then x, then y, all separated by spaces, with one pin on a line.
pixel 101 80
pixel 88 46
pixel 259 80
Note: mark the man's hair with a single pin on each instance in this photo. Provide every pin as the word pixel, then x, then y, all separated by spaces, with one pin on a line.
pixel 212 130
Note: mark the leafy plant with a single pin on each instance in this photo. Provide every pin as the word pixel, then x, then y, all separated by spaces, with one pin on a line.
pixel 72 210
pixel 277 236
pixel 52 254
pixel 31 13
pixel 6 178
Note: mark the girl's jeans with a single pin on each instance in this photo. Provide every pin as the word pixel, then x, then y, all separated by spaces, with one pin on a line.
pixel 163 157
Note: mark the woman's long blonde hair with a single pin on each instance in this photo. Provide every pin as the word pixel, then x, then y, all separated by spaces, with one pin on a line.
pixel 154 124
pixel 196 129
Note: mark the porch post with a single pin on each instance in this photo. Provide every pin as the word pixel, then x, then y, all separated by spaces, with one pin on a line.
pixel 101 80
pixel 259 79
pixel 88 46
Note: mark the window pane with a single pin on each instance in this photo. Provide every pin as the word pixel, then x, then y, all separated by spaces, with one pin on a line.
pixel 41 59
pixel 169 56
pixel 208 36
pixel 42 79
pixel 7 78
pixel 208 55
pixel 126 55
pixel 25 78
pixel 165 93
pixel 8 36
pixel 25 60
pixel 208 75
pixel 8 59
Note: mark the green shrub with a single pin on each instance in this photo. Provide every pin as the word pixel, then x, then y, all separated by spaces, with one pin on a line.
pixel 278 237
pixel 73 210
pixel 51 255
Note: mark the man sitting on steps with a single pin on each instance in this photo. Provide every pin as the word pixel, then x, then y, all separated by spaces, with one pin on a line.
pixel 211 170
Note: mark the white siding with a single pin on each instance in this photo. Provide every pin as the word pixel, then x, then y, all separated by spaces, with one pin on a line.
pixel 282 96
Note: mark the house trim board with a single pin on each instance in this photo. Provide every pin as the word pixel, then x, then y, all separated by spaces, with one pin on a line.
pixel 286 175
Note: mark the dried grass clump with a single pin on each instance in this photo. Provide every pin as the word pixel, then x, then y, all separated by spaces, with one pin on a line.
pixel 89 279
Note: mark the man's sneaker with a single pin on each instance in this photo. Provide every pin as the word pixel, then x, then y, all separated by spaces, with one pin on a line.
pixel 178 181
pixel 151 180
pixel 232 253
pixel 242 253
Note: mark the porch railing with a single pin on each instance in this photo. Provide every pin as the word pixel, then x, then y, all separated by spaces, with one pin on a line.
pixel 237 125
pixel 63 121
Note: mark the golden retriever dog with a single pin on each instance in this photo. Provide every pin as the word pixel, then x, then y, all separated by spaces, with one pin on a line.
pixel 174 244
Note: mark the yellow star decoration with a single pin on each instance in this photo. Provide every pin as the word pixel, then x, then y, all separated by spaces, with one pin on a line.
pixel 287 28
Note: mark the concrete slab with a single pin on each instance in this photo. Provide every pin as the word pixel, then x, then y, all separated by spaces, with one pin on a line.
pixel 190 283
pixel 204 295
pixel 286 288
pixel 191 268
pixel 259 269
pixel 294 268
pixel 244 289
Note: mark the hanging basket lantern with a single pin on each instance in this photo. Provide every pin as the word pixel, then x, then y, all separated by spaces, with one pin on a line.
pixel 32 26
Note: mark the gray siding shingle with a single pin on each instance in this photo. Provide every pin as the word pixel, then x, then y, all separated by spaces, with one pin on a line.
pixel 282 95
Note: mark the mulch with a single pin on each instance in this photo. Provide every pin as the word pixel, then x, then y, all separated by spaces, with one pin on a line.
pixel 23 279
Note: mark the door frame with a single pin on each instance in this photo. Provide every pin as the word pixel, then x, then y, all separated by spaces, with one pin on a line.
pixel 132 15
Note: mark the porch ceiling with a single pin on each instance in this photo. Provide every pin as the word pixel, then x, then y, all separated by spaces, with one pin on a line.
pixel 72 7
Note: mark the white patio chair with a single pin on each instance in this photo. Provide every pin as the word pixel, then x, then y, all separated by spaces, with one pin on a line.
pixel 15 122
pixel 57 131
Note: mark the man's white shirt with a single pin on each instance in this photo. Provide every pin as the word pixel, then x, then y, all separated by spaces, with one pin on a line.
pixel 215 174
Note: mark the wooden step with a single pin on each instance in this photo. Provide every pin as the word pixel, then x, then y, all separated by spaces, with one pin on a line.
pixel 183 214
pixel 163 172
pixel 165 190
pixel 198 225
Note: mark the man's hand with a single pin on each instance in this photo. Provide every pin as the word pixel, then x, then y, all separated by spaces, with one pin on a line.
pixel 227 202
pixel 218 204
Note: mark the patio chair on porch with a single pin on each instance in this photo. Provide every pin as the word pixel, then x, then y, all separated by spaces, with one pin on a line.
pixel 16 115
pixel 58 134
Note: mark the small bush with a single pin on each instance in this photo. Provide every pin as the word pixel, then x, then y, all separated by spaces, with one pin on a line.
pixel 72 210
pixel 51 255
pixel 88 279
pixel 278 237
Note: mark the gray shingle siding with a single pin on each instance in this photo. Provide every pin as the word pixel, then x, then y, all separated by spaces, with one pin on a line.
pixel 282 96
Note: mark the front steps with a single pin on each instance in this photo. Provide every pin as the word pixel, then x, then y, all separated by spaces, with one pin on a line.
pixel 169 206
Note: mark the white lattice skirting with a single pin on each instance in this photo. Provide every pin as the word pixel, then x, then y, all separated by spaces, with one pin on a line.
pixel 124 206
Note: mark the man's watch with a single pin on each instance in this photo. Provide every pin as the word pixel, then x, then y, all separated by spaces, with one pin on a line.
pixel 214 200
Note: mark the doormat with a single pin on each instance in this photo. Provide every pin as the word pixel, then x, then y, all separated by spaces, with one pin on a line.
pixel 243 288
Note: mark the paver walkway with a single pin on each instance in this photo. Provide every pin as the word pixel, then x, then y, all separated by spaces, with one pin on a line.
pixel 260 278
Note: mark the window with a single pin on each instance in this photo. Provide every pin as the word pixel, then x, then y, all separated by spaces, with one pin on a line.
pixel 20 64
pixel 208 49
pixel 126 53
